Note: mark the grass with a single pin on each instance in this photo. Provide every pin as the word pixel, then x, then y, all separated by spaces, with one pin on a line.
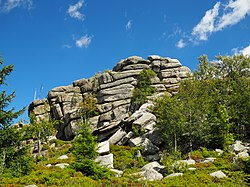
pixel 124 158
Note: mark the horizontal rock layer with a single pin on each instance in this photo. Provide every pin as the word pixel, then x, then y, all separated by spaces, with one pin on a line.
pixel 113 91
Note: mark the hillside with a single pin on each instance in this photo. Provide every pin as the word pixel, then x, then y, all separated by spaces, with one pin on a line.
pixel 155 123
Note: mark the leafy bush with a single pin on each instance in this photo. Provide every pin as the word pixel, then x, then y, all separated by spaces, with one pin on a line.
pixel 169 160
pixel 143 88
pixel 125 158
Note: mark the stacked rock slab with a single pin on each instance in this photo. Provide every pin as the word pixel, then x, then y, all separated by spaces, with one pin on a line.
pixel 113 90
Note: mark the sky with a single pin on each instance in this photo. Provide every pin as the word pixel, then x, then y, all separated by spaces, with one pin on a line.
pixel 51 43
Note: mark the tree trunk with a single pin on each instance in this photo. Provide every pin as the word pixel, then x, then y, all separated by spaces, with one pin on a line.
pixel 3 162
pixel 175 142
pixel 39 143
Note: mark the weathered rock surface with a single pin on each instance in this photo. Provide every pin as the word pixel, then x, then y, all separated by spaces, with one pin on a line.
pixel 103 148
pixel 62 165
pixel 218 174
pixel 116 117
pixel 106 160
pixel 174 175
pixel 118 173
pixel 63 157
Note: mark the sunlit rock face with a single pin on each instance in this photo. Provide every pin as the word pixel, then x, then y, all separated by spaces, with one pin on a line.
pixel 113 90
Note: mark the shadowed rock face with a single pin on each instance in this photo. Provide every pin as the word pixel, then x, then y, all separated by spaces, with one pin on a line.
pixel 113 91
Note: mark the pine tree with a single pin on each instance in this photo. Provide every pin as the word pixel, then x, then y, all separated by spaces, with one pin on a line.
pixel 13 156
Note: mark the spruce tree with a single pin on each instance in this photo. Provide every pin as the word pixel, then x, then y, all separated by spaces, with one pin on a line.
pixel 13 156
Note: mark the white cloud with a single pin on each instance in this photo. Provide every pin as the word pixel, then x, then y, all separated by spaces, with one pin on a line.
pixel 234 12
pixel 129 25
pixel 246 51
pixel 218 18
pixel 180 44
pixel 66 46
pixel 84 41
pixel 74 12
pixel 206 25
pixel 8 5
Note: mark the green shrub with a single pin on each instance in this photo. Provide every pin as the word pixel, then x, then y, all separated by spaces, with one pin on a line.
pixel 143 88
pixel 125 158
pixel 168 161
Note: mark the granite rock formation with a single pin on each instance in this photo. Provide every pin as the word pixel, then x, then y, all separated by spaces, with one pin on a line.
pixel 113 90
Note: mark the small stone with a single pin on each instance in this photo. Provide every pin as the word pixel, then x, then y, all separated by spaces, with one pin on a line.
pixel 152 165
pixel 219 151
pixel 218 174
pixel 243 155
pixel 62 165
pixel 152 175
pixel 191 169
pixel 118 173
pixel 32 185
pixel 63 157
pixel 207 160
pixel 48 165
pixel 174 175
pixel 190 162
pixel 52 146
pixel 103 148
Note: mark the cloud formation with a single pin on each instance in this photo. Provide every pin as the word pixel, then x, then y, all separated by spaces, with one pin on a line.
pixel 218 18
pixel 206 25
pixel 74 12
pixel 180 44
pixel 129 25
pixel 246 51
pixel 84 41
pixel 8 5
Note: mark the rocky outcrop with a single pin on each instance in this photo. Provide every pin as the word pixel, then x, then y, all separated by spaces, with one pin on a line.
pixel 113 91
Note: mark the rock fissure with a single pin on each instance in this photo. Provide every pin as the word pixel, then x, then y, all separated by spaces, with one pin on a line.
pixel 116 121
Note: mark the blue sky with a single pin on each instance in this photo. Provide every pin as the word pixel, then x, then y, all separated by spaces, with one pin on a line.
pixel 54 42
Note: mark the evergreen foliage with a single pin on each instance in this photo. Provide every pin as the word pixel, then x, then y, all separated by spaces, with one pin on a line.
pixel 143 88
pixel 85 144
pixel 14 160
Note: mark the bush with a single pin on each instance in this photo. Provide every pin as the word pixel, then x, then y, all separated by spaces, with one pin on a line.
pixel 143 88
pixel 125 158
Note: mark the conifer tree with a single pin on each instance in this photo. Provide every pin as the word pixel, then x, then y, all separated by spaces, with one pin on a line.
pixel 13 156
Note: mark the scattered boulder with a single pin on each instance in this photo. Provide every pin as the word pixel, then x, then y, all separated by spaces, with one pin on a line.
pixel 191 169
pixel 63 157
pixel 242 155
pixel 209 159
pixel 218 174
pixel 152 175
pixel 174 175
pixel 238 147
pixel 154 166
pixel 103 148
pixel 106 160
pixel 118 173
pixel 62 165
pixel 184 163
pixel 219 151
pixel 152 158
pixel 148 148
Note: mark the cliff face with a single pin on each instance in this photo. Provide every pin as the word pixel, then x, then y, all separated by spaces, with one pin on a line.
pixel 113 90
